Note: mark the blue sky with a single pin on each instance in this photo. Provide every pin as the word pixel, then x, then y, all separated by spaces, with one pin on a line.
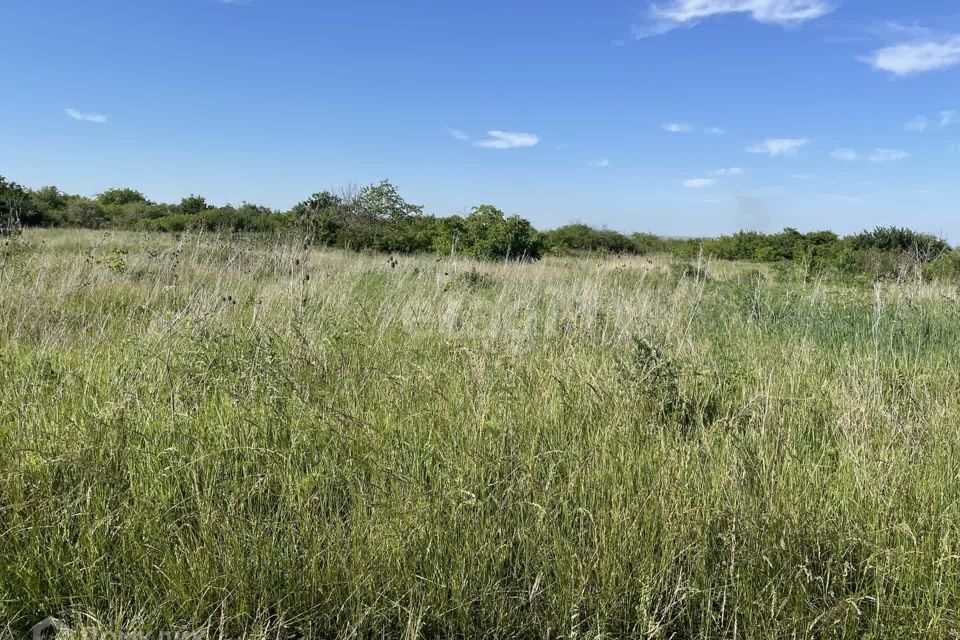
pixel 682 117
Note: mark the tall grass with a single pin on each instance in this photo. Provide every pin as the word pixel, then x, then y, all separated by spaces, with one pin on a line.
pixel 251 438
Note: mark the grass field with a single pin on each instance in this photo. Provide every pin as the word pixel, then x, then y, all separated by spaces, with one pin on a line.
pixel 247 438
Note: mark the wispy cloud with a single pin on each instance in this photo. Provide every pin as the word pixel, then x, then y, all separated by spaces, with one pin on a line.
pixel 729 172
pixel 664 17
pixel 918 124
pixel 878 156
pixel 457 134
pixel 98 118
pixel 944 119
pixel 677 127
pixel 887 155
pixel 847 155
pixel 508 140
pixel 686 127
pixel 917 56
pixel 699 183
pixel 602 163
pixel 774 147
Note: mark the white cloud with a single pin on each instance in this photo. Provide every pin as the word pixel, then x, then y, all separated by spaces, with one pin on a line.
pixel 508 140
pixel 783 12
pixel 653 28
pixel 457 134
pixel 86 117
pixel 918 124
pixel 887 155
pixel 877 155
pixel 677 127
pixel 699 183
pixel 729 172
pixel 778 146
pixel 922 123
pixel 602 163
pixel 847 155
pixel 667 16
pixel 908 58
pixel 686 127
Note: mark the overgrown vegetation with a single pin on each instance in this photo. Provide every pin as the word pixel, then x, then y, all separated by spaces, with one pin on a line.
pixel 250 436
pixel 377 218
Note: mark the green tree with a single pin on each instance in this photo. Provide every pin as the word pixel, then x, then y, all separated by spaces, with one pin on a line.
pixel 375 217
pixel 320 201
pixel 85 213
pixel 49 203
pixel 14 204
pixel 119 197
pixel 319 217
pixel 49 198
pixel 192 205
pixel 382 202
pixel 491 235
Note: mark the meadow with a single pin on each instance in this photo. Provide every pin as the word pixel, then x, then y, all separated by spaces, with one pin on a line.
pixel 254 437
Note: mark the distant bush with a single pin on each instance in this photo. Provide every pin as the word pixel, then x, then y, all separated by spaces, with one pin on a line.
pixel 170 223
pixel 881 253
pixel 193 205
pixel 48 205
pixel 489 234
pixel 377 218
pixel 645 243
pixel 946 268
pixel 578 237
pixel 892 239
pixel 120 197
pixel 15 206
pixel 85 213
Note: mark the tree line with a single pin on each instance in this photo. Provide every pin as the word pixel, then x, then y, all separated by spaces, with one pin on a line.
pixel 377 218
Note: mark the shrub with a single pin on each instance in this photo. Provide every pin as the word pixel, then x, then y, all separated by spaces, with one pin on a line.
pixel 490 235
pixel 85 213
pixel 120 196
pixel 377 218
pixel 49 204
pixel 193 205
pixel 893 239
pixel 579 237
pixel 14 204
pixel 946 268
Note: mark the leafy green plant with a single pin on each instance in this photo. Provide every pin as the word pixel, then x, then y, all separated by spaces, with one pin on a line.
pixel 115 260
